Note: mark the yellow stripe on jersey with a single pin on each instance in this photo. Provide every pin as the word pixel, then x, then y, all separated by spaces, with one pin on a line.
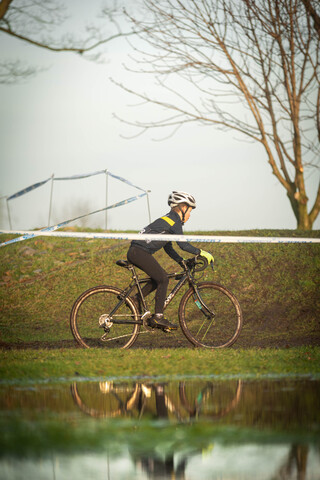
pixel 168 220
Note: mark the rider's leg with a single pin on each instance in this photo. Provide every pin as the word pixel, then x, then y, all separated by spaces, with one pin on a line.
pixel 146 262
pixel 148 287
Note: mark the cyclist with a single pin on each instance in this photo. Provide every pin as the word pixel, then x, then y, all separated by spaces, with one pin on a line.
pixel 141 252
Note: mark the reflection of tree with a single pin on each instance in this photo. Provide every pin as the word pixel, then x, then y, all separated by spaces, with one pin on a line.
pixel 284 405
pixel 296 461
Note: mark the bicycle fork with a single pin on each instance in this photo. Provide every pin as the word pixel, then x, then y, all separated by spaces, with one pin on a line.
pixel 209 314
pixel 201 305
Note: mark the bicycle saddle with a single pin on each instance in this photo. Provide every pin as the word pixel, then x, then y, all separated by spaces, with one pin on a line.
pixel 123 263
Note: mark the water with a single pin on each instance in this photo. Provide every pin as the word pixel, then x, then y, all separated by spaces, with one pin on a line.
pixel 193 429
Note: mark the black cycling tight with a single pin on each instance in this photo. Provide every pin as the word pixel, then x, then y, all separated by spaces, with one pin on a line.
pixel 159 278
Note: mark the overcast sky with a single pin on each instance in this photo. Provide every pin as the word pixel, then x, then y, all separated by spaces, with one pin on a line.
pixel 61 122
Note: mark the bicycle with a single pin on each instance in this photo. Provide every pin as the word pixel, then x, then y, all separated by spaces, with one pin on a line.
pixel 209 314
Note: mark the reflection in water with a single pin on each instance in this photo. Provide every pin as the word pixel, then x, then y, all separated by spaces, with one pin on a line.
pixel 161 430
pixel 296 461
pixel 183 401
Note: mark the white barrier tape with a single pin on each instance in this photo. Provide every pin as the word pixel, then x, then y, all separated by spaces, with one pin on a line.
pixel 166 238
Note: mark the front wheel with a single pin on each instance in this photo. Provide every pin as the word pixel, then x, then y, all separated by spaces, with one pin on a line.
pixel 211 316
pixel 93 307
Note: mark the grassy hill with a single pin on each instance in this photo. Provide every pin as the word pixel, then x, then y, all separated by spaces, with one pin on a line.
pixel 277 286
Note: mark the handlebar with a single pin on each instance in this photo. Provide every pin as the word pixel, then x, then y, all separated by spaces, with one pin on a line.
pixel 194 264
pixel 197 264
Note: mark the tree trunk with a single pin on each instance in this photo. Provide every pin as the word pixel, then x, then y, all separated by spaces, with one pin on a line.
pixel 300 210
pixel 304 222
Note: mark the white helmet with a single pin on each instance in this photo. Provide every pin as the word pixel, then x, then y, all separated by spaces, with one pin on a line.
pixel 175 198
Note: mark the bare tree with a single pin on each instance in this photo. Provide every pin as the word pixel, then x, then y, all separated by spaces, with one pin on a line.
pixel 36 23
pixel 310 6
pixel 251 66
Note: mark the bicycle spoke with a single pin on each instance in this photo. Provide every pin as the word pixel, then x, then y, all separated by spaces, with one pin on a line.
pixel 207 331
pixel 201 326
pixel 92 325
pixel 223 318
pixel 202 307
pixel 122 336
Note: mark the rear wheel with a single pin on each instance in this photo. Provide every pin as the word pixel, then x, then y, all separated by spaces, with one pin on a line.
pixel 91 311
pixel 211 319
pixel 107 399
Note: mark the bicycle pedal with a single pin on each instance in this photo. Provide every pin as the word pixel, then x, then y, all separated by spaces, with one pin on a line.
pixel 168 330
pixel 147 326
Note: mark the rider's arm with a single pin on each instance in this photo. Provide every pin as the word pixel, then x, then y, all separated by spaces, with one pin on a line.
pixel 185 246
pixel 168 248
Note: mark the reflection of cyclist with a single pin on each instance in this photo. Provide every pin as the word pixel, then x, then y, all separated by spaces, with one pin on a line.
pixel 141 252
pixel 159 465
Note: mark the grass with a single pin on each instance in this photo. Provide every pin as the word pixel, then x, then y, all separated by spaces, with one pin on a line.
pixel 277 286
pixel 29 365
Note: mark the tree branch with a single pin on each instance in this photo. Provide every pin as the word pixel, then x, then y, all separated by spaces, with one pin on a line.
pixel 259 54
pixel 79 50
pixel 4 5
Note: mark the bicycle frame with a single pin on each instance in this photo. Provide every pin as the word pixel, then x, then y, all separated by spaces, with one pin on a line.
pixel 136 282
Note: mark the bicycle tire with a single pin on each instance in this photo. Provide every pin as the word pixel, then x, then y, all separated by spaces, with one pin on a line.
pixel 111 402
pixel 88 308
pixel 206 399
pixel 203 329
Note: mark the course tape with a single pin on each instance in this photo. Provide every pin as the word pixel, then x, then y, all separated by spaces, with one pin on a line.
pixel 72 177
pixel 166 238
pixel 124 181
pixel 28 189
pixel 99 172
pixel 51 230
pixel 80 176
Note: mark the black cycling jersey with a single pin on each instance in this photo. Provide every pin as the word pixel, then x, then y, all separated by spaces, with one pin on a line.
pixel 168 224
